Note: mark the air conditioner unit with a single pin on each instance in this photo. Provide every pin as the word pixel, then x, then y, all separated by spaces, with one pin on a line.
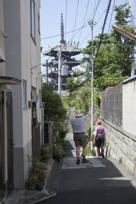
pixel 2 58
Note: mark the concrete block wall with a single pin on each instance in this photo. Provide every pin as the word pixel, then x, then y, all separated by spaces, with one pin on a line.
pixel 121 127
pixel 121 146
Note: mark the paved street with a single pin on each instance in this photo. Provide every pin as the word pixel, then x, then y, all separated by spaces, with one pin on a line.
pixel 98 182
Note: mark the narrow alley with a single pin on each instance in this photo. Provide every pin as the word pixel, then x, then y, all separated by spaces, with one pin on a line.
pixel 67 80
pixel 99 181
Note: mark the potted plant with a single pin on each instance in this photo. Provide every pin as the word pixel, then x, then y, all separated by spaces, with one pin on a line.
pixel 45 152
pixel 40 170
pixel 32 180
pixel 41 178
pixel 58 153
pixel 37 175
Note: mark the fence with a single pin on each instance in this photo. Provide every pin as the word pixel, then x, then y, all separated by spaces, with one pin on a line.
pixel 118 111
pixel 111 105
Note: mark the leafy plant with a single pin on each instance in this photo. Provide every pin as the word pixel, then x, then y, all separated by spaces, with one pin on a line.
pixel 54 108
pixel 58 152
pixel 32 178
pixel 46 152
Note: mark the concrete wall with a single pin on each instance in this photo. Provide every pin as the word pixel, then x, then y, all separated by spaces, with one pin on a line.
pixel 121 146
pixel 22 54
pixel 121 138
pixel 129 106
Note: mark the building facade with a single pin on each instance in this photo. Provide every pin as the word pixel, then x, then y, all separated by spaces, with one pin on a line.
pixel 20 47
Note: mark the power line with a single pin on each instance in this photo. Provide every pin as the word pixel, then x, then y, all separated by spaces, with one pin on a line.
pixel 94 13
pixel 108 8
pixel 53 36
pixel 85 38
pixel 111 15
pixel 96 9
pixel 75 19
pixel 83 20
pixel 100 18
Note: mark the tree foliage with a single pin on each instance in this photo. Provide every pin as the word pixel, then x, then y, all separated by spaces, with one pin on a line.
pixel 54 109
pixel 112 63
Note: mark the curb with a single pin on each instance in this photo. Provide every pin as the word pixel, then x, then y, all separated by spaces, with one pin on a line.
pixel 45 198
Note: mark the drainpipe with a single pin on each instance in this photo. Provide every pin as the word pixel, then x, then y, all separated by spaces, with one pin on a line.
pixel 5 146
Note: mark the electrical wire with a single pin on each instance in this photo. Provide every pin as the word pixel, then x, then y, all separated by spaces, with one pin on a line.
pixel 85 38
pixel 94 13
pixel 105 19
pixel 96 9
pixel 100 18
pixel 111 16
pixel 75 19
pixel 87 6
pixel 53 36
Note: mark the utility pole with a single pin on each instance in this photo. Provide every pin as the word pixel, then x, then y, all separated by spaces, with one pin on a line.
pixel 92 23
pixel 47 71
pixel 133 46
pixel 59 71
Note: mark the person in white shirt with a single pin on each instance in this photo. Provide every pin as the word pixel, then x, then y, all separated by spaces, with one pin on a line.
pixel 79 134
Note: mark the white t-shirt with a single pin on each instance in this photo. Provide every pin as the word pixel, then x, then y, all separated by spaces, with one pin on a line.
pixel 77 125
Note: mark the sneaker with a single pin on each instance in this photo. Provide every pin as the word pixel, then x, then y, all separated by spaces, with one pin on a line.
pixel 78 161
pixel 84 160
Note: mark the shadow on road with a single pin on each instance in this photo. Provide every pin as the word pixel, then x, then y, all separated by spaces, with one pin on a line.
pixel 93 185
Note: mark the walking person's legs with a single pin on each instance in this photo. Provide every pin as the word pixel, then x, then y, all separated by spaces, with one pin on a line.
pixel 77 145
pixel 102 147
pixel 98 151
pixel 84 160
pixel 83 144
pixel 80 141
pixel 78 154
pixel 98 143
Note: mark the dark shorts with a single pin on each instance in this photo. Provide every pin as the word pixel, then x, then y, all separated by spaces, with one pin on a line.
pixel 80 139
pixel 99 141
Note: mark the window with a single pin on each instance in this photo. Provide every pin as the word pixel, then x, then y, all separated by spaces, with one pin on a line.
pixel 39 23
pixel 24 93
pixel 32 18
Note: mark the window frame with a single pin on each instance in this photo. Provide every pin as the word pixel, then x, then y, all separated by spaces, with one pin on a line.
pixel 32 20
pixel 24 87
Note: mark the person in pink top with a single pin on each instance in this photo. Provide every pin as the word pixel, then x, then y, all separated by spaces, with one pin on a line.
pixel 99 139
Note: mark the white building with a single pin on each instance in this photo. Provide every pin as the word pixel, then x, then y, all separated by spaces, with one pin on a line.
pixel 20 22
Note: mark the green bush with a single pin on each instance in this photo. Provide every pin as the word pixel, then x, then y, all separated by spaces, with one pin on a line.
pixel 45 152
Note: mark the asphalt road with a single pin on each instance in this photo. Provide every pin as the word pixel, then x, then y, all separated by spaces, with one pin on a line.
pixel 101 181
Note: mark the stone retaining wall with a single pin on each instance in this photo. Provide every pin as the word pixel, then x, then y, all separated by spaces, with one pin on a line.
pixel 121 146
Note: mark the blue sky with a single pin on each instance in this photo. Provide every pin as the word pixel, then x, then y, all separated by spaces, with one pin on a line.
pixel 51 13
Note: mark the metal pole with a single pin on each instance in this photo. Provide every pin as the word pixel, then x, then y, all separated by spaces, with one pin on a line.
pixel 59 71
pixel 133 47
pixel 92 23
pixel 47 71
